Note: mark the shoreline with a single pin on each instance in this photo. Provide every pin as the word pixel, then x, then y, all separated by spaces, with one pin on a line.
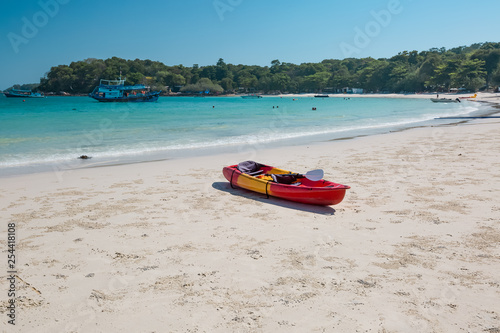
pixel 56 169
pixel 334 95
pixel 68 165
pixel 413 246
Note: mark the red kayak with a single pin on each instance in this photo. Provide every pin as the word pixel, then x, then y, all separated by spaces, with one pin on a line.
pixel 265 179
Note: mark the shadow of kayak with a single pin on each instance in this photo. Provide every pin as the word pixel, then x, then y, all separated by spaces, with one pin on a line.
pixel 241 192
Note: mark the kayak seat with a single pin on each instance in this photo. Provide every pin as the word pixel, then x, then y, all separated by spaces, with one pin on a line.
pixel 250 168
pixel 284 179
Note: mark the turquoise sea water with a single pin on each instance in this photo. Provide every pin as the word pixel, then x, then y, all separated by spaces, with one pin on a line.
pixel 39 133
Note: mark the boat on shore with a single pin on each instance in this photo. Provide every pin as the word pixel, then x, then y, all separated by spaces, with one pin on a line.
pixel 265 179
pixel 117 91
pixel 321 96
pixel 467 97
pixel 251 96
pixel 445 100
pixel 23 93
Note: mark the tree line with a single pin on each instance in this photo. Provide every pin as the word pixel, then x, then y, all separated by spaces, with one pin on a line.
pixel 471 67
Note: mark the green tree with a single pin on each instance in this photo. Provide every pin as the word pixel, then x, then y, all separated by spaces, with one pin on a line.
pixel 208 72
pixel 427 68
pixel 203 85
pixel 495 78
pixel 373 77
pixel 275 66
pixel 412 83
pixel 491 58
pixel 307 69
pixel 227 84
pixel 134 78
pixel 437 68
pixel 315 82
pixel 221 70
pixel 264 83
pixel 60 78
pixel 280 82
pixel 443 73
pixel 341 77
pixel 176 80
pixel 469 74
pixel 246 79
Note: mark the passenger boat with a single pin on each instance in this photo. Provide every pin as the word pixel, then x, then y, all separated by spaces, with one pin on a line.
pixel 265 179
pixel 445 100
pixel 23 93
pixel 250 96
pixel 117 91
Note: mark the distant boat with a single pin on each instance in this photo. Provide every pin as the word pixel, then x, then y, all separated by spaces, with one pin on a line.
pixel 251 96
pixel 445 100
pixel 117 91
pixel 23 93
pixel 322 96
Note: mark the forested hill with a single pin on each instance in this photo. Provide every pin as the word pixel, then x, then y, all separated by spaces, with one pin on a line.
pixel 471 67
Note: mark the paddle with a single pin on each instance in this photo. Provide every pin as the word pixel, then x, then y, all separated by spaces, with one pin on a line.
pixel 313 175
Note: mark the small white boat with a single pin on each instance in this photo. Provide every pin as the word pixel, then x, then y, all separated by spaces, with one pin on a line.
pixel 251 96
pixel 445 100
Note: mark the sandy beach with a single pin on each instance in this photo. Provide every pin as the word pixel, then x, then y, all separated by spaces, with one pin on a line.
pixel 480 96
pixel 169 246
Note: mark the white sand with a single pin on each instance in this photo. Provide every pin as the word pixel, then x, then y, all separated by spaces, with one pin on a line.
pixel 481 96
pixel 170 247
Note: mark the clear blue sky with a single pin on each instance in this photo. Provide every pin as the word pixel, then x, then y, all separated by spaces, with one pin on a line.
pixel 252 32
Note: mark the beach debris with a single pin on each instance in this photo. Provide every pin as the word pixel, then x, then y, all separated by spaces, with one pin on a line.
pixel 254 254
pixel 119 255
pixel 147 268
pixel 89 275
pixel 366 284
pixel 84 157
pixel 97 295
pixel 29 285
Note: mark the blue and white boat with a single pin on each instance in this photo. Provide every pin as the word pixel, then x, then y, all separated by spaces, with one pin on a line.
pixel 117 91
pixel 23 93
